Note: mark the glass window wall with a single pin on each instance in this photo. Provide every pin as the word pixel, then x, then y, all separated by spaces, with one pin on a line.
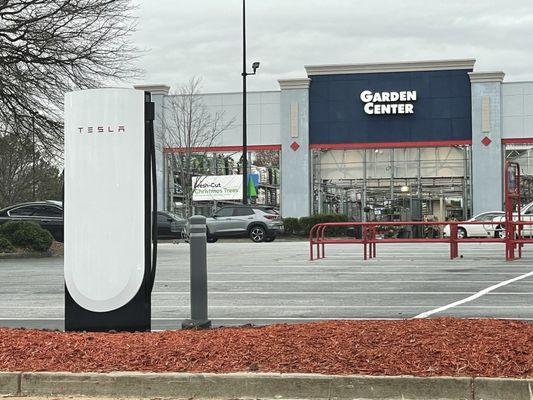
pixel 523 154
pixel 399 184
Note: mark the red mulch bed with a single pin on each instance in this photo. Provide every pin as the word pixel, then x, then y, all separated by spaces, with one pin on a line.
pixel 453 347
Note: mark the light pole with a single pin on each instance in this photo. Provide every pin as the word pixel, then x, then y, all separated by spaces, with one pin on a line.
pixel 244 74
pixel 33 155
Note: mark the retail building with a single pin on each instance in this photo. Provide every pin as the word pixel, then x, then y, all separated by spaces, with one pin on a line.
pixel 409 140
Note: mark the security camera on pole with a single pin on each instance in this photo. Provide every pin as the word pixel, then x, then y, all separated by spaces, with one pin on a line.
pixel 244 74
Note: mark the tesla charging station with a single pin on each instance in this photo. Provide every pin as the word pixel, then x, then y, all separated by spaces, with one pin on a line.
pixel 109 195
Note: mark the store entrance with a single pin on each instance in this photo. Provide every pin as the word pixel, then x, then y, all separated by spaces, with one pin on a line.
pixel 427 184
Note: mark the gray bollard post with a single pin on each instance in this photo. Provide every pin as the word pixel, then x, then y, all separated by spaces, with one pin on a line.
pixel 198 262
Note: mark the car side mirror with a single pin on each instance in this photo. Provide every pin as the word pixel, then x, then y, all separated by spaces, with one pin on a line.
pixel 214 216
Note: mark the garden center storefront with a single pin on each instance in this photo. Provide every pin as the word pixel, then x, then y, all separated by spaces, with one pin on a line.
pixel 395 140
pixel 403 141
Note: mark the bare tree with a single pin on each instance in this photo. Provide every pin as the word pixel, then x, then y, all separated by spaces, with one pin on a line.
pixel 191 129
pixel 24 174
pixel 49 47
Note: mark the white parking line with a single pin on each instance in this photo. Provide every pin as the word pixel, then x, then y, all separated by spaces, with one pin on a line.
pixel 367 273
pixel 343 281
pixel 432 265
pixel 273 292
pixel 266 307
pixel 474 296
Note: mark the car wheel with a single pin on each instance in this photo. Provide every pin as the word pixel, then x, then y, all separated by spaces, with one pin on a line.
pixel 461 233
pixel 270 239
pixel 499 233
pixel 257 233
pixel 210 238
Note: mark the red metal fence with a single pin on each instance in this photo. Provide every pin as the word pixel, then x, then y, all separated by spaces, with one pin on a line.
pixel 514 236
pixel 514 228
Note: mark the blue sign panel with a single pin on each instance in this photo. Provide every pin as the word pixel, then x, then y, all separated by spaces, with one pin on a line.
pixel 390 107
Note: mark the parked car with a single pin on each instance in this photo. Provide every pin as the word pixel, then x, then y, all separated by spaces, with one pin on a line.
pixel 169 226
pixel 259 223
pixel 526 214
pixel 48 214
pixel 486 229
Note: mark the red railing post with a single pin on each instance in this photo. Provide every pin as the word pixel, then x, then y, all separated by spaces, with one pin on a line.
pixel 509 236
pixel 371 243
pixel 317 240
pixel 311 242
pixel 520 236
pixel 454 247
pixel 323 240
pixel 364 237
pixel 374 241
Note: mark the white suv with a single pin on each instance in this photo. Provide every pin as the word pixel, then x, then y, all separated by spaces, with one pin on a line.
pixel 259 223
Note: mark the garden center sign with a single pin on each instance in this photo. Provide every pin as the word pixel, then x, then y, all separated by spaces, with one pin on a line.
pixel 388 102
pixel 217 187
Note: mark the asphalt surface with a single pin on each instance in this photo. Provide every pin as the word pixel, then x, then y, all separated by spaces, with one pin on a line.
pixel 275 282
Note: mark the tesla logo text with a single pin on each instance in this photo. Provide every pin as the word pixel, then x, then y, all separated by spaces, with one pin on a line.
pixel 102 129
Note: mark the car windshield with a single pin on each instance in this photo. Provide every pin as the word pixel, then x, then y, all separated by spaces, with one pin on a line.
pixel 177 217
pixel 486 216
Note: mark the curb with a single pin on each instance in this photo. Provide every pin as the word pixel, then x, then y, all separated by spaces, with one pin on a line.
pixel 12 256
pixel 10 383
pixel 261 385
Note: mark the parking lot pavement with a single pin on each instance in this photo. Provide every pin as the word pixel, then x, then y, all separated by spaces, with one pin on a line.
pixel 275 282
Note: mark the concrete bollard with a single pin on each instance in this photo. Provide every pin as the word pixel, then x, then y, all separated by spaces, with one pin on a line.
pixel 198 266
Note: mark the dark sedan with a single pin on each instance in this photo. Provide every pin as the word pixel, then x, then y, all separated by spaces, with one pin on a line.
pixel 49 215
pixel 169 226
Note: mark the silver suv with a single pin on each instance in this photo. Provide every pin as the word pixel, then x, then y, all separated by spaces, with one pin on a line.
pixel 259 223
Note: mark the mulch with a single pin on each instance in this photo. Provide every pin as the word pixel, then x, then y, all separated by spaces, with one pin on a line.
pixel 424 347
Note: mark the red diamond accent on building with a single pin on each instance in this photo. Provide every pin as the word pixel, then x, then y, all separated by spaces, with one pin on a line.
pixel 486 141
pixel 295 146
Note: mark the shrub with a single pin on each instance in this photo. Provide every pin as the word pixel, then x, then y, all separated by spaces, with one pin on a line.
pixel 6 246
pixel 27 235
pixel 302 226
pixel 11 227
pixel 308 222
pixel 292 226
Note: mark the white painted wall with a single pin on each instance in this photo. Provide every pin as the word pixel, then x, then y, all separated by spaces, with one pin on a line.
pixel 263 117
pixel 517 98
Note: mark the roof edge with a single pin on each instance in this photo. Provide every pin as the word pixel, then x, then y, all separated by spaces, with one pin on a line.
pixel 403 66
pixel 492 76
pixel 297 83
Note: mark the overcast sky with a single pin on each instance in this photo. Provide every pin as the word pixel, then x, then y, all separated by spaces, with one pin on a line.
pixel 186 38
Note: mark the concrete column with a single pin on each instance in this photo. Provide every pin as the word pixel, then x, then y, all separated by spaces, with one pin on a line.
pixel 487 156
pixel 158 97
pixel 295 153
